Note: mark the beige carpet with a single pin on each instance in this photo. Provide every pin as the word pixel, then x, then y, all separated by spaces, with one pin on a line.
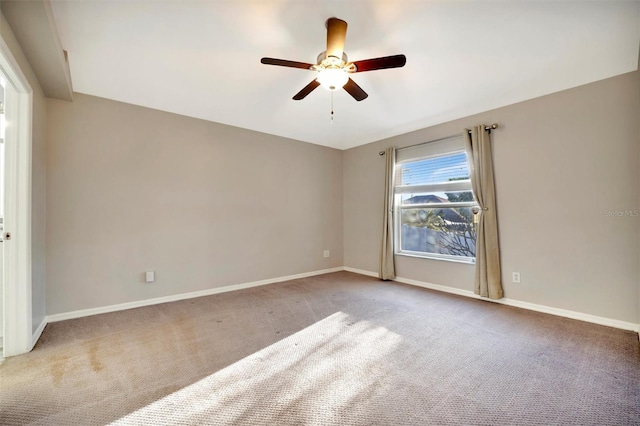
pixel 337 349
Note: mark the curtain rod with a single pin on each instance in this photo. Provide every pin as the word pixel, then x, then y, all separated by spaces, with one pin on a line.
pixel 486 129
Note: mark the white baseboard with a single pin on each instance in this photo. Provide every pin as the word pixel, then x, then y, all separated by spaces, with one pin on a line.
pixel 609 322
pixel 515 303
pixel 36 334
pixel 361 272
pixel 140 303
pixel 467 293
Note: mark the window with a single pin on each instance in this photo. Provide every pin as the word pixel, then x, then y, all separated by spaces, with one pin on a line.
pixel 434 202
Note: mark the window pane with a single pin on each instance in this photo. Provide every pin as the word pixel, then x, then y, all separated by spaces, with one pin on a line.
pixel 443 231
pixel 437 197
pixel 444 168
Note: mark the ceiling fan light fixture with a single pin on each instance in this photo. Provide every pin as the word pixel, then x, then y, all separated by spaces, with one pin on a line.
pixel 333 66
pixel 333 78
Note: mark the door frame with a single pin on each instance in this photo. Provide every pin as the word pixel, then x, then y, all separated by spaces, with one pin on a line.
pixel 16 285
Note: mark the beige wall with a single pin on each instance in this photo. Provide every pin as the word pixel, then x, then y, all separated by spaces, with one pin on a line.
pixel 203 204
pixel 561 161
pixel 38 176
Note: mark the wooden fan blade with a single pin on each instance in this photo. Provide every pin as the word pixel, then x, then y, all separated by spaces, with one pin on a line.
pixel 395 61
pixel 307 89
pixel 356 91
pixel 336 35
pixel 285 63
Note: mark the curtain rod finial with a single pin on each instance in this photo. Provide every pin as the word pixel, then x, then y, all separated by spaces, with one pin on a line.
pixel 381 153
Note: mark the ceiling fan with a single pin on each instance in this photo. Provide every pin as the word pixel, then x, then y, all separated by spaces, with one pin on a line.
pixel 333 67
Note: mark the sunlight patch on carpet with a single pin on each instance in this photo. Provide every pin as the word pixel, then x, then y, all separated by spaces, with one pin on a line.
pixel 308 377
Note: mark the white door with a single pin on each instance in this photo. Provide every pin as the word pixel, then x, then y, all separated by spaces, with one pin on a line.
pixel 2 126
pixel 18 336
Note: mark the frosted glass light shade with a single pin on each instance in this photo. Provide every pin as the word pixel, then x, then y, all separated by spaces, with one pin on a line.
pixel 332 78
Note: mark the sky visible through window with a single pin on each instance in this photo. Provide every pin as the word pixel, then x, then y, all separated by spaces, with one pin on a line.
pixel 434 170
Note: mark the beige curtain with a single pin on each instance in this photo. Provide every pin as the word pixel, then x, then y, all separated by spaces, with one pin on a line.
pixel 387 267
pixel 488 282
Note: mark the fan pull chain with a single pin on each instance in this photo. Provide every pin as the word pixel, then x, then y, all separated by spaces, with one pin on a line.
pixel 332 107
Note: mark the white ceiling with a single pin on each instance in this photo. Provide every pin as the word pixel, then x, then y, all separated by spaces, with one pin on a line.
pixel 202 58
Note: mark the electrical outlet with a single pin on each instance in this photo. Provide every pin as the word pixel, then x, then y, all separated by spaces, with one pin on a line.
pixel 327 253
pixel 515 277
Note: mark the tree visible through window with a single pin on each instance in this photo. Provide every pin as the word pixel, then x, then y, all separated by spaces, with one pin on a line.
pixel 435 206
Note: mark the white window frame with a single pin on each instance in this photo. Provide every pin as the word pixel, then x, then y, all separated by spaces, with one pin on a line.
pixel 443 147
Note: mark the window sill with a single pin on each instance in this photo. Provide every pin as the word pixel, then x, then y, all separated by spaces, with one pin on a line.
pixel 446 259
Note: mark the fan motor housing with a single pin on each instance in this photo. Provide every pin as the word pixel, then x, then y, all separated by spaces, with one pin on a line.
pixel 331 61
